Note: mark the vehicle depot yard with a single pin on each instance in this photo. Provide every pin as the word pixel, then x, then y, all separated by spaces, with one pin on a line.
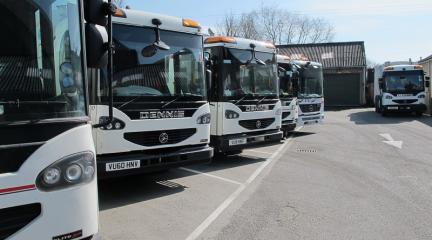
pixel 358 176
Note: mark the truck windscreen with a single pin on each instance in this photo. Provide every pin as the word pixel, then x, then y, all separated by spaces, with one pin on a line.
pixel 311 82
pixel 160 75
pixel 241 78
pixel 40 61
pixel 287 87
pixel 404 81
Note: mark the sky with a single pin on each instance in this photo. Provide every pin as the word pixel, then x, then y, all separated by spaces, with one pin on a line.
pixel 393 30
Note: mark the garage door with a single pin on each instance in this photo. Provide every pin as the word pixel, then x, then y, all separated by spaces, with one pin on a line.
pixel 342 89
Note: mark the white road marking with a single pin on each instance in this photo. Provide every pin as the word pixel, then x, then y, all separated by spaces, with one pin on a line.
pixel 255 151
pixel 390 141
pixel 211 175
pixel 216 213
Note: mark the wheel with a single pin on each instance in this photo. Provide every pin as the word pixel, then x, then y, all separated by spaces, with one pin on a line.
pixel 378 107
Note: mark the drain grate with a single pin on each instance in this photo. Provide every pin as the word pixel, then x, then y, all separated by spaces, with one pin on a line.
pixel 306 150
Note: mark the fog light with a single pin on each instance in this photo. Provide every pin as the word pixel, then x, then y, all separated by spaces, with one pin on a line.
pixel 118 125
pixel 51 176
pixel 73 173
pixel 109 126
pixel 89 171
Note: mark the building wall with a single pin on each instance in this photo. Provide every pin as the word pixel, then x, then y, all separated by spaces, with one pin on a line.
pixel 427 67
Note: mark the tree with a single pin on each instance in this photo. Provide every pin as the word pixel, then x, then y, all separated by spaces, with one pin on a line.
pixel 229 26
pixel 279 26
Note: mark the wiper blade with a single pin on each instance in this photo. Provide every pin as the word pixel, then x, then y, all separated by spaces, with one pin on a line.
pixel 171 102
pixel 243 98
pixel 261 100
pixel 134 100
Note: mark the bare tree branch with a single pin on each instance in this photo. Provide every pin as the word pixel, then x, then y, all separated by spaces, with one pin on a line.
pixel 279 26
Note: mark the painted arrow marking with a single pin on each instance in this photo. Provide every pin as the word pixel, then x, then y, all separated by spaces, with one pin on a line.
pixel 390 141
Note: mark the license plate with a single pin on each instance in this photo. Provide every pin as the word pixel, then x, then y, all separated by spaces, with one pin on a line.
pixel 393 108
pixel 259 139
pixel 240 141
pixel 118 166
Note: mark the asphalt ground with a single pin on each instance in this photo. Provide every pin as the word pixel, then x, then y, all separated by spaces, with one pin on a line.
pixel 358 176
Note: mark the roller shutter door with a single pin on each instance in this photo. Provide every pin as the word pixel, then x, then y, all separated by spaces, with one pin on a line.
pixel 342 89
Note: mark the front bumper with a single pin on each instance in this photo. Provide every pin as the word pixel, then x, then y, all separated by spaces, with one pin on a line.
pixel 222 143
pixel 289 125
pixel 152 161
pixel 405 108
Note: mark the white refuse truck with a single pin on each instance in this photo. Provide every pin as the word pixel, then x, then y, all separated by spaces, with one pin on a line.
pixel 400 88
pixel 243 93
pixel 160 108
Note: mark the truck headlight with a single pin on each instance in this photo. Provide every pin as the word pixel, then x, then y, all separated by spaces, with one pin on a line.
pixel 388 97
pixel 229 114
pixel 422 96
pixel 116 124
pixel 204 119
pixel 278 112
pixel 67 172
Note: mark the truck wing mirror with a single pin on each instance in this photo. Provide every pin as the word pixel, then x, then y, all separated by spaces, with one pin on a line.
pixel 427 78
pixel 99 43
pixel 208 59
pixel 427 84
pixel 381 82
pixel 96 46
pixel 208 76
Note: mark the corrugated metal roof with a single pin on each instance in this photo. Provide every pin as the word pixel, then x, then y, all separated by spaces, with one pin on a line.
pixel 331 55
pixel 425 59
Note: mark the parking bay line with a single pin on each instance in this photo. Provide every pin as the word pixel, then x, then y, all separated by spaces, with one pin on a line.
pixel 216 213
pixel 255 151
pixel 210 175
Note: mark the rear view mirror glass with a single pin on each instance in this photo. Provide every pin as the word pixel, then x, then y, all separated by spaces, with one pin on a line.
pixel 149 51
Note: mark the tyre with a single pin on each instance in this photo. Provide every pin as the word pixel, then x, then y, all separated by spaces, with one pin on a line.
pixel 378 107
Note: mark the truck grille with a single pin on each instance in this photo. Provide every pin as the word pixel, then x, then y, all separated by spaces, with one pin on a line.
pixel 257 123
pixel 15 218
pixel 406 101
pixel 307 108
pixel 157 138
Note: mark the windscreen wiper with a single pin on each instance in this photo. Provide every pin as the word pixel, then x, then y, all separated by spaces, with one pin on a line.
pixel 171 102
pixel 243 98
pixel 261 100
pixel 133 100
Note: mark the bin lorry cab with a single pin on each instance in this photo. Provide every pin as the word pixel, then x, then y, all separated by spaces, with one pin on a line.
pixel 400 88
pixel 160 108
pixel 288 88
pixel 243 94
pixel 310 92
pixel 48 186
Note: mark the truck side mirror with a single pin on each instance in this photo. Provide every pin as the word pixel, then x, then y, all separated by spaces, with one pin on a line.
pixel 207 58
pixel 96 46
pixel 208 76
pixel 428 78
pixel 427 83
pixel 381 82
pixel 99 42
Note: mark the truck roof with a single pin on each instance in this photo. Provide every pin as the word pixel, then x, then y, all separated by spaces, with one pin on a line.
pixel 395 68
pixel 304 62
pixel 239 43
pixel 283 59
pixel 170 23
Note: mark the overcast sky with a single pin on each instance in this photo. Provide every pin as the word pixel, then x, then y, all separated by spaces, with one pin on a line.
pixel 392 29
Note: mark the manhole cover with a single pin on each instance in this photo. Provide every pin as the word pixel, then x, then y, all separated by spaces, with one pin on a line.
pixel 306 150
